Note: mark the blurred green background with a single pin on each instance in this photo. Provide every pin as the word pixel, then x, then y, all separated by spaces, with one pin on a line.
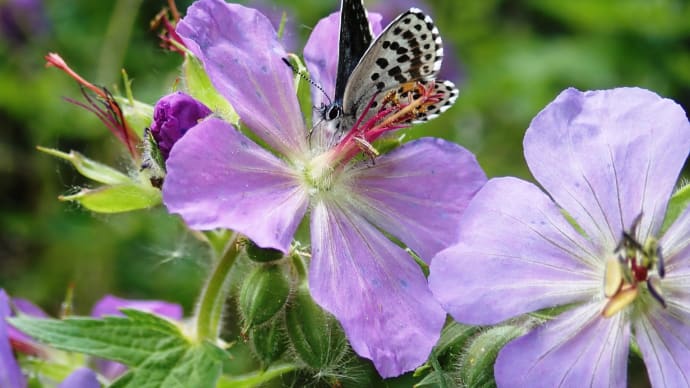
pixel 510 58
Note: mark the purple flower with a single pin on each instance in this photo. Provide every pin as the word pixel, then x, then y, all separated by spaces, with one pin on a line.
pixel 81 378
pixel 219 178
pixel 10 374
pixel 609 159
pixel 173 115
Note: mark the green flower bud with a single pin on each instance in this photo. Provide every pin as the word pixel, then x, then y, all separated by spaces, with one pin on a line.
pixel 477 364
pixel 262 255
pixel 269 341
pixel 263 294
pixel 315 335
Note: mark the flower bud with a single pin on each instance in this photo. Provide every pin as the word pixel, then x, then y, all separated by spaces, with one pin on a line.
pixel 268 341
pixel 315 335
pixel 477 363
pixel 262 255
pixel 173 115
pixel 263 294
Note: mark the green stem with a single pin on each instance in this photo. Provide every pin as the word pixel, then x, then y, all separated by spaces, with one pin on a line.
pixel 300 267
pixel 210 307
pixel 117 38
pixel 255 378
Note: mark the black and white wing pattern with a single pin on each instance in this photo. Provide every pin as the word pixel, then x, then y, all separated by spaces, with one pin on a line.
pixel 404 58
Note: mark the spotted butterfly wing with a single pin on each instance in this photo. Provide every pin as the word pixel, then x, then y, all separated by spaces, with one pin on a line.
pixel 355 39
pixel 408 51
pixel 406 55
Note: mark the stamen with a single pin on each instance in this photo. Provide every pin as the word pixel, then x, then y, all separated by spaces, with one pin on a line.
pixel 660 263
pixel 655 290
pixel 613 278
pixel 621 300
pixel 111 114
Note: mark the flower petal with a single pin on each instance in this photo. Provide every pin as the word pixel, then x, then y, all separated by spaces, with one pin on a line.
pixel 81 378
pixel 516 254
pixel 321 55
pixel 243 57
pixel 412 194
pixel 675 246
pixel 10 374
pixel 374 288
pixel 21 341
pixel 665 346
pixel 218 178
pixel 580 348
pixel 111 305
pixel 607 156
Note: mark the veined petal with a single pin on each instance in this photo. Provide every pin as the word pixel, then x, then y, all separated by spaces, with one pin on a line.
pixel 243 57
pixel 219 178
pixel 664 341
pixel 10 374
pixel 608 156
pixel 321 55
pixel 675 246
pixel 516 254
pixel 374 288
pixel 413 194
pixel 580 348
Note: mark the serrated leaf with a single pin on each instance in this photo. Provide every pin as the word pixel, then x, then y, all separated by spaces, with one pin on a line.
pixel 679 202
pixel 117 198
pixel 90 168
pixel 155 349
pixel 200 87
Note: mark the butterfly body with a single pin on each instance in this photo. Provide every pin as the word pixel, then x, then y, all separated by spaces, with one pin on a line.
pixel 407 54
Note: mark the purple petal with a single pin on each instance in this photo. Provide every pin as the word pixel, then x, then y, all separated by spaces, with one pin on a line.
pixel 111 305
pixel 243 57
pixel 517 253
pixel 607 156
pixel 374 288
pixel 321 54
pixel 675 246
pixel 412 194
pixel 10 373
pixel 81 378
pixel 665 346
pixel 578 349
pixel 218 178
pixel 26 307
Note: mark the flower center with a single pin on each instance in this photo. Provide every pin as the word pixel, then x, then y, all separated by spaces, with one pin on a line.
pixel 384 113
pixel 634 269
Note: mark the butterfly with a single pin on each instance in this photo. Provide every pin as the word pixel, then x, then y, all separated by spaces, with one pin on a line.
pixel 407 53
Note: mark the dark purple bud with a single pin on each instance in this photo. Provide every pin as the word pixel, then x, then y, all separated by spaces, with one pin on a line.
pixel 173 116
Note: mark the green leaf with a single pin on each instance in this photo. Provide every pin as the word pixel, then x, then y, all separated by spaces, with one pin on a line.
pixel 117 198
pixel 679 202
pixel 157 352
pixel 200 87
pixel 89 168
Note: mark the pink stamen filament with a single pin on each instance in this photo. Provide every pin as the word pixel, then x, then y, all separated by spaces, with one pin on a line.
pixel 117 123
pixel 387 119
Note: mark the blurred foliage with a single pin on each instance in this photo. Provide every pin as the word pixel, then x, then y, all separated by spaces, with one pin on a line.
pixel 512 58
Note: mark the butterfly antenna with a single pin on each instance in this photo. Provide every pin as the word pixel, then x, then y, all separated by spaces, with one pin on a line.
pixel 306 78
